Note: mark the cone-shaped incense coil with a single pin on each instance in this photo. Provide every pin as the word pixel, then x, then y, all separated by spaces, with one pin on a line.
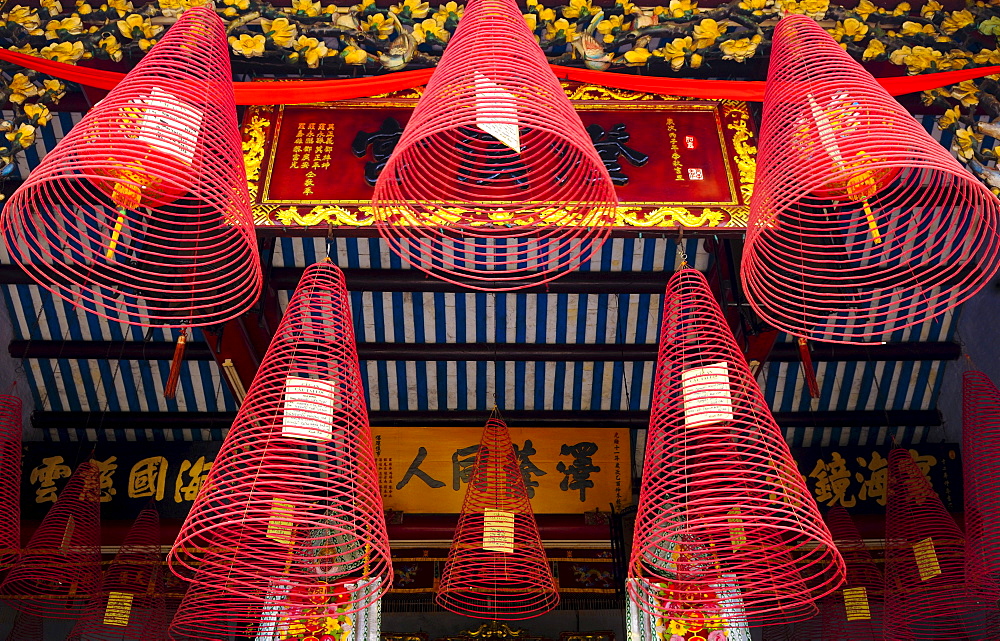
pixel 725 521
pixel 60 569
pixel 859 611
pixel 27 627
pixel 980 462
pixel 292 504
pixel 130 602
pixel 860 222
pixel 925 592
pixel 141 213
pixel 497 568
pixel 494 184
pixel 10 478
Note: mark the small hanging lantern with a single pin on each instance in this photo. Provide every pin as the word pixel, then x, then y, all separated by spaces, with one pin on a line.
pixel 497 568
pixel 725 522
pixel 494 184
pixel 290 516
pixel 860 223
pixel 141 213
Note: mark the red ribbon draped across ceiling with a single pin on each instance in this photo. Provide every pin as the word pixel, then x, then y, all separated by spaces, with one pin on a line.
pixel 309 91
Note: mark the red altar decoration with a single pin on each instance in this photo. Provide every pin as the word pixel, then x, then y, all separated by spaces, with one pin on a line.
pixel 859 607
pixel 725 526
pixel 981 455
pixel 925 592
pixel 10 478
pixel 291 509
pixel 860 223
pixel 61 567
pixel 497 568
pixel 141 213
pixel 130 603
pixel 494 178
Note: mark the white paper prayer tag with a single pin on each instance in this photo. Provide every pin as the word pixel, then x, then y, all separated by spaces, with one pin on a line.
pixel 496 112
pixel 498 531
pixel 119 609
pixel 309 406
pixel 856 604
pixel 707 395
pixel 169 124
pixel 282 523
pixel 927 560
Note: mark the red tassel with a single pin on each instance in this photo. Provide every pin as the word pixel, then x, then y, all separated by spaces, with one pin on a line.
pixel 170 389
pixel 807 367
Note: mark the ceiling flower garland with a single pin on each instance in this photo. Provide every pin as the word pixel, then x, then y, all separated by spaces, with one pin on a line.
pixel 312 38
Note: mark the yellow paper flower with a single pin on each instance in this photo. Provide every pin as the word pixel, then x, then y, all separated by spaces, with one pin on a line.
pixel 916 59
pixel 756 7
pixel 24 17
pixel 681 8
pixel 530 19
pixel 560 30
pixel 56 29
pixel 740 50
pixel 676 51
pixel 930 8
pixel 451 10
pixel 815 9
pixel 412 9
pixel 146 44
pixel 637 57
pixel 39 114
pixel 247 45
pixel 64 51
pixel 627 7
pixel 280 31
pixel 52 7
pixel 23 136
pixel 865 8
pixel 707 32
pixel 911 28
pixel 876 49
pixel 21 88
pixel 354 56
pixel 307 8
pixel 136 26
pixel 430 31
pixel 901 9
pixel 611 27
pixel 546 15
pixel 54 88
pixel 312 50
pixel 987 57
pixel 949 118
pixel 366 6
pixel 112 47
pixel 963 143
pixel 957 20
pixel 966 92
pixel 851 29
pixel 581 9
pixel 378 25
pixel 121 6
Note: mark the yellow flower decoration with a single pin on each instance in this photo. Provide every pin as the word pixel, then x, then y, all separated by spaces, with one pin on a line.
pixel 21 88
pixel 911 28
pixel 530 19
pixel 54 88
pixel 756 7
pixel 146 45
pixel 26 18
pixel 707 32
pixel 312 50
pixel 966 92
pixel 112 47
pixel 637 57
pixel 280 31
pixel 740 50
pixel 963 144
pixel 930 8
pixel 57 29
pixel 121 6
pixel 581 9
pixel 378 25
pixel 23 136
pixel 451 10
pixel 560 30
pixel 611 27
pixel 676 51
pixel 247 45
pixel 916 59
pixel 949 118
pixel 815 9
pixel 676 627
pixel 901 9
pixel 64 51
pixel 627 7
pixel 430 31
pixel 412 9
pixel 987 57
pixel 852 29
pixel 876 49
pixel 136 26
pixel 681 8
pixel 39 114
pixel 354 56
pixel 957 20
pixel 865 8
pixel 307 8
pixel 51 6
pixel 83 8
pixel 364 7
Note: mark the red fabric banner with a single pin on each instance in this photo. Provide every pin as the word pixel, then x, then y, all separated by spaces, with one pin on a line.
pixel 309 91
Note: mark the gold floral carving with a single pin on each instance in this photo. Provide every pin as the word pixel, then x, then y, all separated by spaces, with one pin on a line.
pixel 746 154
pixel 253 150
pixel 576 91
pixel 668 217
pixel 334 215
